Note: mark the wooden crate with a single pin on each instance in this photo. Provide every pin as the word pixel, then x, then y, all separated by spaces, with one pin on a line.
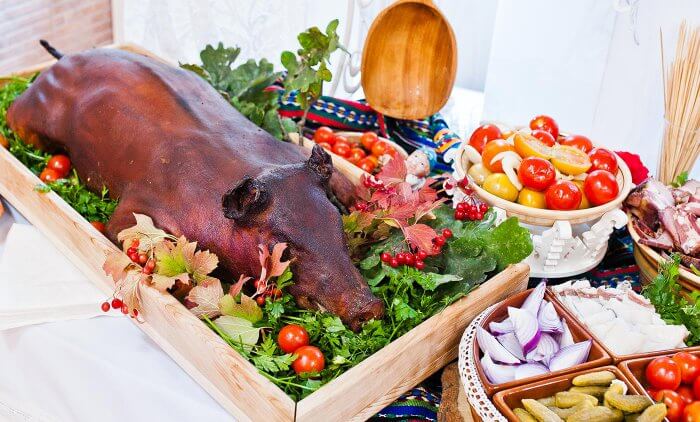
pixel 228 377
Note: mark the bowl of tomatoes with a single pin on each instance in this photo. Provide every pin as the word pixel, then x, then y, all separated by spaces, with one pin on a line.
pixel 541 175
pixel 365 150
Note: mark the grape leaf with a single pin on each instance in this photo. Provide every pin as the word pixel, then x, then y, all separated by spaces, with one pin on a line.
pixel 129 288
pixel 206 296
pixel 393 172
pixel 198 263
pixel 238 329
pixel 144 231
pixel 164 282
pixel 246 309
pixel 509 243
pixel 182 257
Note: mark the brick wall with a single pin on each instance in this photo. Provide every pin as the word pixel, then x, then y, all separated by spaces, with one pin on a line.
pixel 70 25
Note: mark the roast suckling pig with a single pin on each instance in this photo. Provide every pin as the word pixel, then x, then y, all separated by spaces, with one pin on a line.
pixel 168 145
pixel 667 217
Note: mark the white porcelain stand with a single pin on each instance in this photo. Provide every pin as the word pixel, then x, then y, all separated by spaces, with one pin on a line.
pixel 564 250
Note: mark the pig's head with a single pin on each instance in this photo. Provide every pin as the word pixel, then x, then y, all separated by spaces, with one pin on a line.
pixel 290 204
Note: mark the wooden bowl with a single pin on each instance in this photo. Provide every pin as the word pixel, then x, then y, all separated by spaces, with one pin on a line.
pixel 648 261
pixel 543 217
pixel 409 60
pixel 508 400
pixel 597 356
pixel 616 358
pixel 351 171
pixel 634 368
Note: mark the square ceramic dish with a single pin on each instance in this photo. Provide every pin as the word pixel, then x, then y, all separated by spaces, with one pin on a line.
pixel 615 357
pixel 507 400
pixel 597 356
pixel 634 368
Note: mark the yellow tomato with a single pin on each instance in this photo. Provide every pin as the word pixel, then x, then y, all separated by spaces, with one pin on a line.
pixel 532 198
pixel 584 201
pixel 570 160
pixel 479 173
pixel 529 146
pixel 499 185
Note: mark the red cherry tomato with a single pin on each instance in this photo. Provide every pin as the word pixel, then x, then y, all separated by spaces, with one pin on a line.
pixel 309 359
pixel 356 154
pixel 545 123
pixel 578 141
pixel 603 159
pixel 341 148
pixel 326 146
pixel 689 364
pixel 674 404
pixel 544 137
pixel 339 138
pixel 379 148
pixel 663 373
pixel 49 175
pixel 536 173
pixel 368 139
pixel 368 164
pixel 292 337
pixel 482 135
pixel 563 195
pixel 686 394
pixel 60 163
pixel 100 226
pixel 324 134
pixel 696 388
pixel 691 413
pixel 600 187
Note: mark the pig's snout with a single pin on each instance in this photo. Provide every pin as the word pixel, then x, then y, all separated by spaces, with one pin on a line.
pixel 374 309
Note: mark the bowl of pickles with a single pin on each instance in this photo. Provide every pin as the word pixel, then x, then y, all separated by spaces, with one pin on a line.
pixel 595 395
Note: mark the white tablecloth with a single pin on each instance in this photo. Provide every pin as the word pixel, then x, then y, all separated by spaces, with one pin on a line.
pixel 101 369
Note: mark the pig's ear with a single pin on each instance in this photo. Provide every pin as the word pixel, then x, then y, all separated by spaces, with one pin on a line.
pixel 320 163
pixel 247 198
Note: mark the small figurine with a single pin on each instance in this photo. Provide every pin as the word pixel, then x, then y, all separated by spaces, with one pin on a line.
pixel 418 166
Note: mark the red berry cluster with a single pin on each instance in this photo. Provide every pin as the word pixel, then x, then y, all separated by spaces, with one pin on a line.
pixel 471 208
pixel 140 258
pixel 361 205
pixel 415 260
pixel 118 304
pixel 470 211
pixel 270 291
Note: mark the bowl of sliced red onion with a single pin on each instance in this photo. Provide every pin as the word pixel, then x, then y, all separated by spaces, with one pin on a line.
pixel 529 337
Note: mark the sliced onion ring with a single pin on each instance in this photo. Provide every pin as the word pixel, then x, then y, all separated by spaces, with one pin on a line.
pixel 497 374
pixel 534 299
pixel 527 370
pixel 490 346
pixel 526 328
pixel 570 356
pixel 510 342
pixel 548 319
pixel 503 327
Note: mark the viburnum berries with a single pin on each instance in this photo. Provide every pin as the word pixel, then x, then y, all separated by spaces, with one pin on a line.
pixel 471 206
pixel 416 260
pixel 105 306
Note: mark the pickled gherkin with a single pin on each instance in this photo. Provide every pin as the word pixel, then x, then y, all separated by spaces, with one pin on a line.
pixel 565 413
pixel 565 399
pixel 548 401
pixel 540 411
pixel 596 391
pixel 597 414
pixel 600 378
pixel 523 415
pixel 616 387
pixel 653 413
pixel 628 403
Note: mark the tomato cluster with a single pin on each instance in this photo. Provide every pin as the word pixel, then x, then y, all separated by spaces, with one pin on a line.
pixel 295 339
pixel 555 171
pixel 364 153
pixel 675 381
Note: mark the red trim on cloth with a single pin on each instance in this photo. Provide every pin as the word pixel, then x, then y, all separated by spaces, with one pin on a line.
pixel 617 271
pixel 315 117
pixel 382 124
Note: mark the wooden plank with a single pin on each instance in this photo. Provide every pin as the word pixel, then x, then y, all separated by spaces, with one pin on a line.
pixel 376 382
pixel 233 381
